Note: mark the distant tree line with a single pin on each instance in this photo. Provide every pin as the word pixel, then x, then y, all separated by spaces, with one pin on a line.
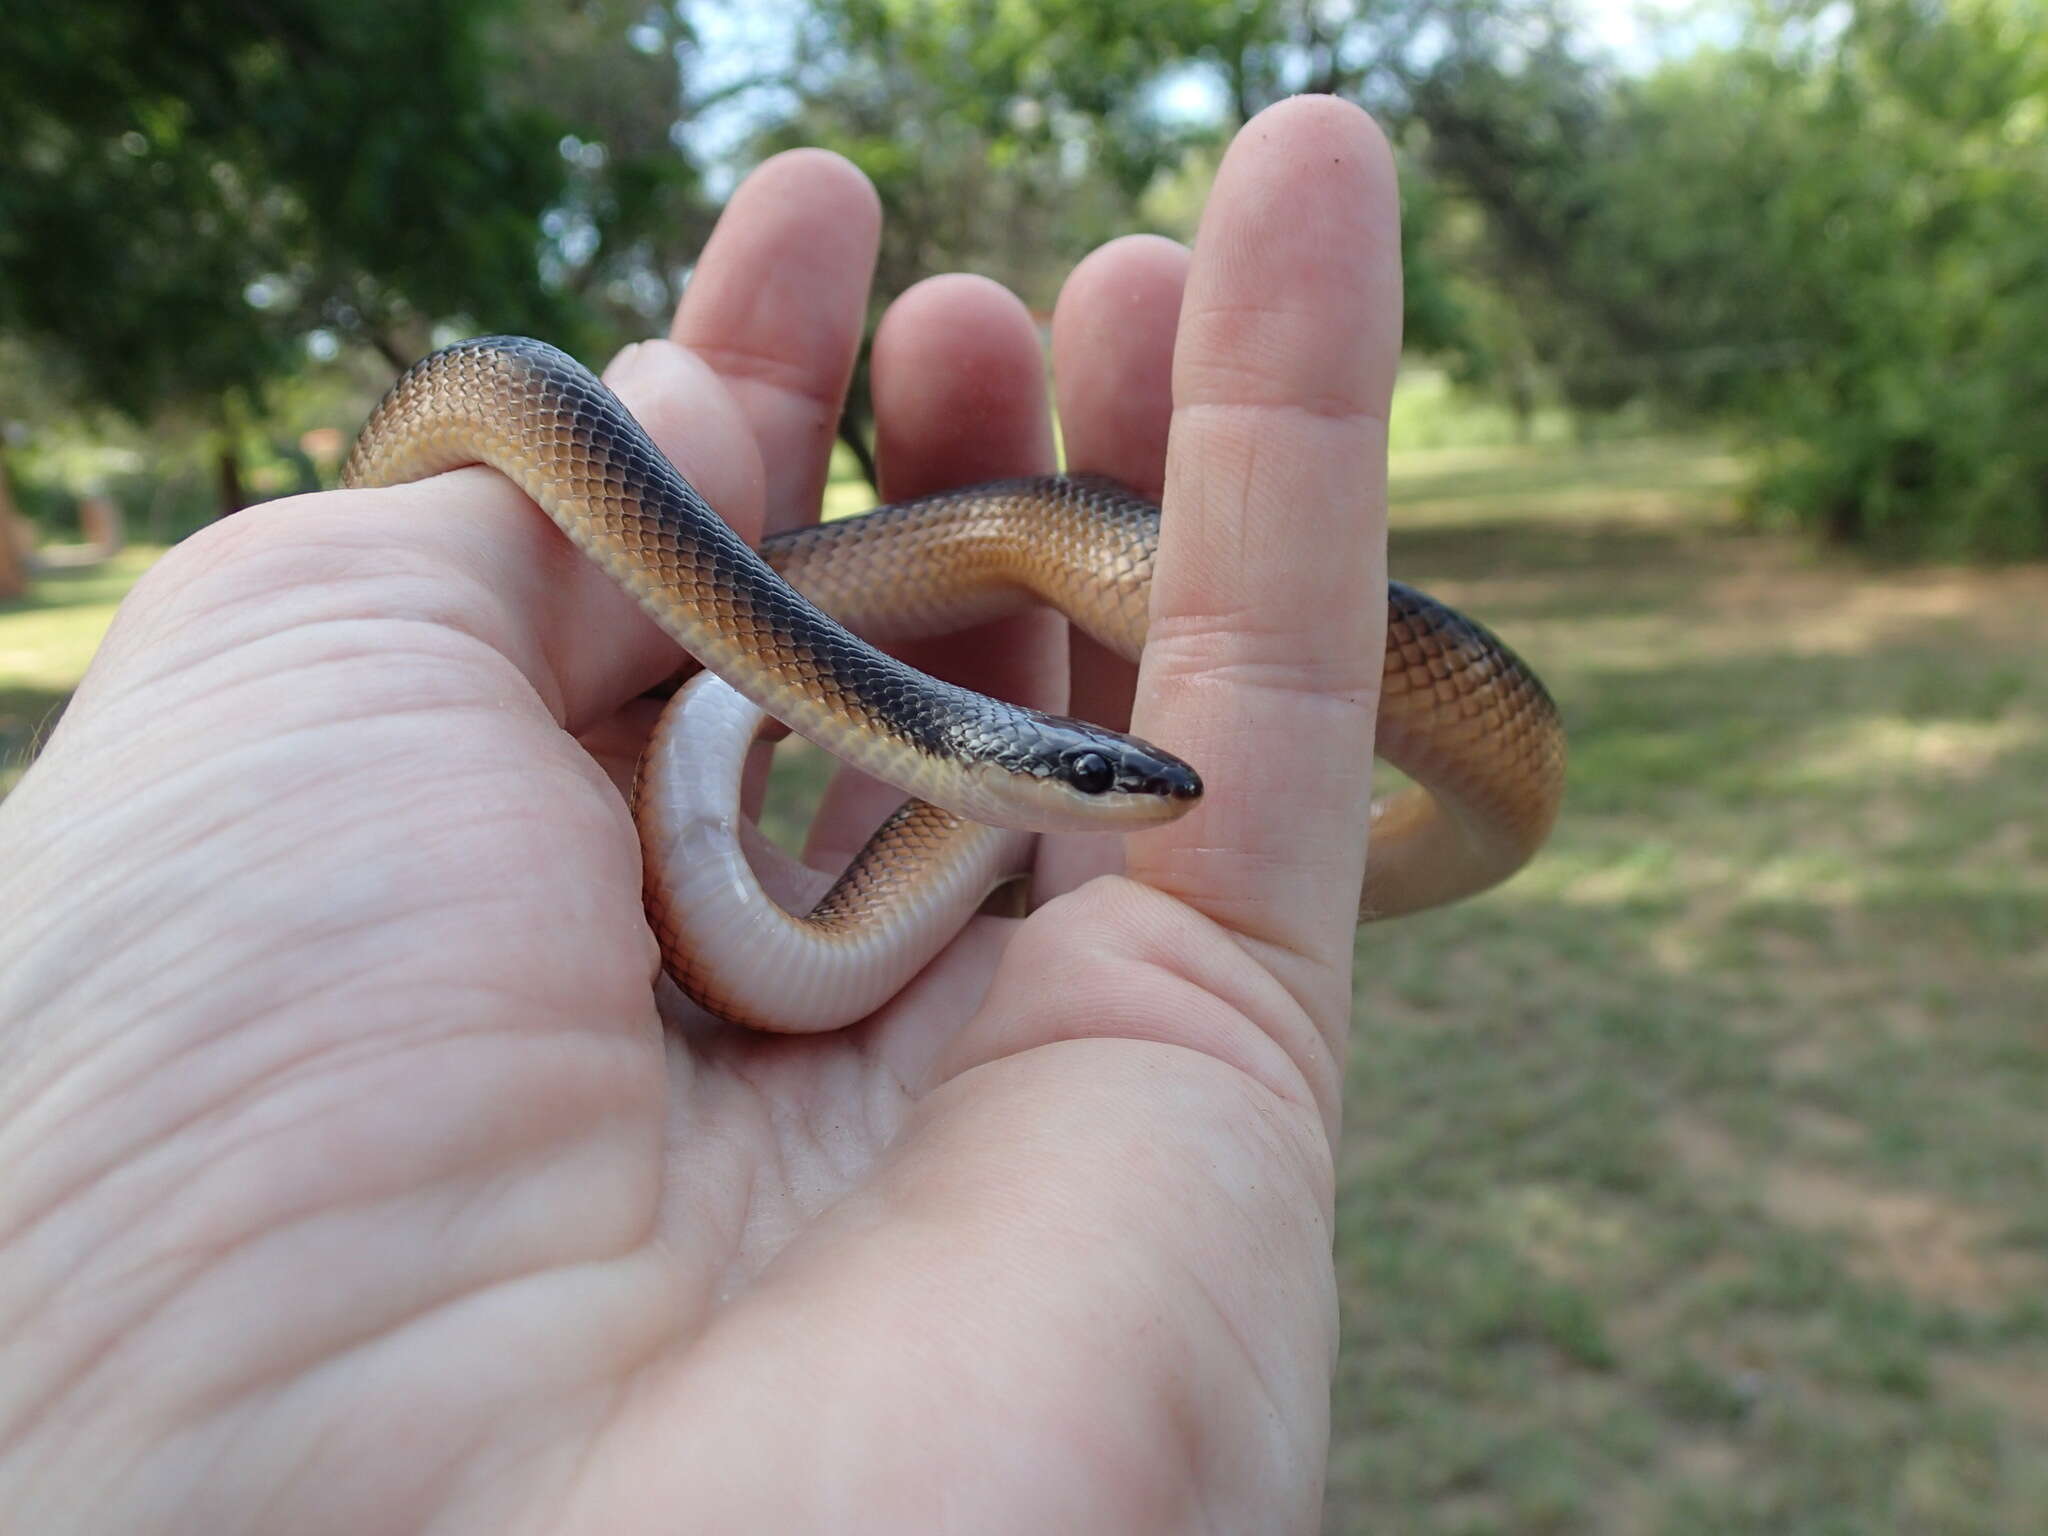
pixel 1820 229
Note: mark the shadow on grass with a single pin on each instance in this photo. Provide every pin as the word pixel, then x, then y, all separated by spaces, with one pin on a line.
pixel 26 718
pixel 1494 548
pixel 1581 475
pixel 105 583
pixel 46 639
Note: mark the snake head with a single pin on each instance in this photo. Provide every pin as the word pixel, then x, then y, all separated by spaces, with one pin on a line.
pixel 1123 765
pixel 1069 776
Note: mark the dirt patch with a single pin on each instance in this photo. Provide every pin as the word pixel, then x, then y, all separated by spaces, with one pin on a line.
pixel 2013 1390
pixel 1656 1316
pixel 1825 1129
pixel 1938 1251
pixel 1705 1460
pixel 1848 611
pixel 1706 1151
pixel 1640 1506
pixel 1933 1249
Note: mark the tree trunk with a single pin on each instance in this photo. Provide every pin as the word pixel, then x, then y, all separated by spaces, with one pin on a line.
pixel 105 534
pixel 228 478
pixel 857 443
pixel 1842 520
pixel 1522 401
pixel 15 540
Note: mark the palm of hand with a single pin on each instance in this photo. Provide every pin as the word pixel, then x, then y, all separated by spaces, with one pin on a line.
pixel 422 1221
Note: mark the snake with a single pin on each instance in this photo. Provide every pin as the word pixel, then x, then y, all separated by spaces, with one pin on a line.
pixel 791 636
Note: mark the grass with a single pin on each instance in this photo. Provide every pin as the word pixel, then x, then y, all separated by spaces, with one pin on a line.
pixel 45 641
pixel 1696 1181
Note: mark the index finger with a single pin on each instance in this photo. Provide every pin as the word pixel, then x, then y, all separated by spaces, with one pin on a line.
pixel 776 306
pixel 1268 603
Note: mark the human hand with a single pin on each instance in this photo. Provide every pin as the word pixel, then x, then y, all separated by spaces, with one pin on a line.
pixel 352 1183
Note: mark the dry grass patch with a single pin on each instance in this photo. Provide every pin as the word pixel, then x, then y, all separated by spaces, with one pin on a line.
pixel 1939 1251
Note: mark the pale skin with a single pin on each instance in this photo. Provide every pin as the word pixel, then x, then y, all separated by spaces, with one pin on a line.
pixel 353 1184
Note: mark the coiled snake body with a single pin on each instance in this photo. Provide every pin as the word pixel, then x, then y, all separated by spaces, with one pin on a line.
pixel 1459 712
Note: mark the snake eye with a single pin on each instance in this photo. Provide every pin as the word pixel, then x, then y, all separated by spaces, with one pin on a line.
pixel 1090 773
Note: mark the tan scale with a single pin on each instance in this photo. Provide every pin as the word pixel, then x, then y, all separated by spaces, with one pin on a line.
pixel 1459 712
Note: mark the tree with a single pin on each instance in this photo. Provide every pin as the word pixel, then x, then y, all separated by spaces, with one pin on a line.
pixel 1826 235
pixel 14 544
pixel 188 191
pixel 1012 139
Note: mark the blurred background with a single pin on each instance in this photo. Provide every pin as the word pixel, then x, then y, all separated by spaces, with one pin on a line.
pixel 1695 1181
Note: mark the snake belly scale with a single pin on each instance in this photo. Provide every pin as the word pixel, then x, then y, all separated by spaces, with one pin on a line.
pixel 1459 713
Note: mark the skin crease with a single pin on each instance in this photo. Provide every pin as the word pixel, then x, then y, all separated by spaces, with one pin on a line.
pixel 352 1184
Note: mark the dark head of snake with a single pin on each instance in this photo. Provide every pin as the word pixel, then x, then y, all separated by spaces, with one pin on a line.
pixel 1068 775
pixel 540 418
pixel 1472 726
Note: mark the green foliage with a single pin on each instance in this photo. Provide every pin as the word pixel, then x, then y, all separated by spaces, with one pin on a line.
pixel 1029 79
pixel 187 190
pixel 1915 415
pixel 1012 139
pixel 1823 231
pixel 1828 235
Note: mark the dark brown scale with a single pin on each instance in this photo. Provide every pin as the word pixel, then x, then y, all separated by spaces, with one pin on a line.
pixel 873 884
pixel 538 416
pixel 1459 712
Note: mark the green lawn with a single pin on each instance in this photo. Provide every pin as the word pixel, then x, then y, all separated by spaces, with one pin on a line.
pixel 45 642
pixel 1698 1180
